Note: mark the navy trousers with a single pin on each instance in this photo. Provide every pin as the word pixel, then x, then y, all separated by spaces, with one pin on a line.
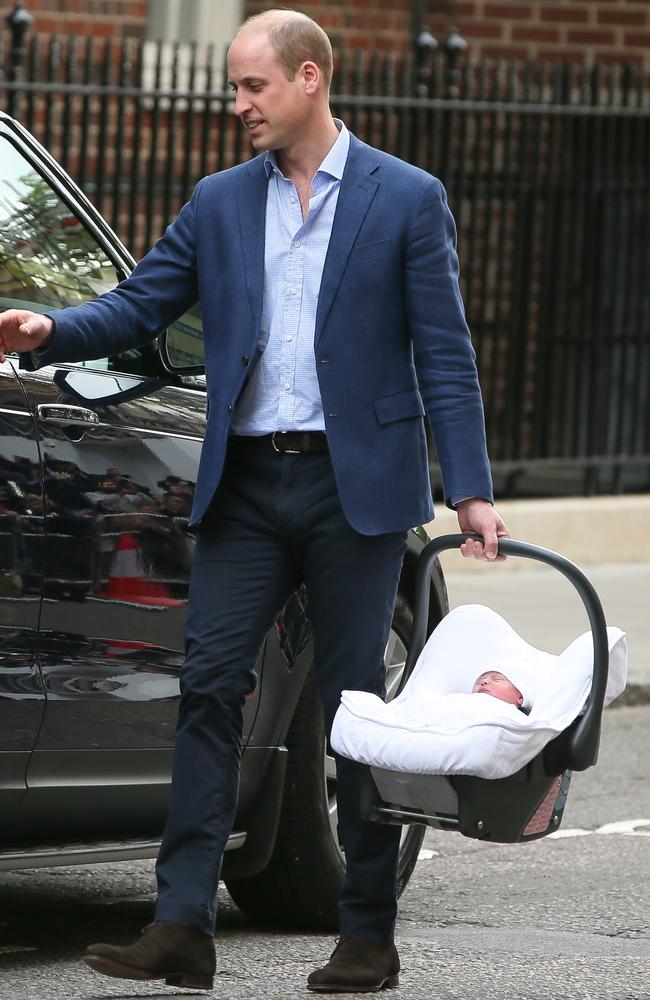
pixel 275 522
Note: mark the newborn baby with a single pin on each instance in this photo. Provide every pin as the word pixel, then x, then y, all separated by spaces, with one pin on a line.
pixel 438 725
pixel 497 684
pixel 452 712
pixel 426 731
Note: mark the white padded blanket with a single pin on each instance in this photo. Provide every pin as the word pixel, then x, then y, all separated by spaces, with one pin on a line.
pixel 436 726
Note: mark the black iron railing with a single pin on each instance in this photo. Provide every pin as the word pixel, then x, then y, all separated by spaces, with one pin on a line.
pixel 547 168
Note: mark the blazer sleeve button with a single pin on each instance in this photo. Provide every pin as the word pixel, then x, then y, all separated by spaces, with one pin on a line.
pixel 244 359
pixel 229 408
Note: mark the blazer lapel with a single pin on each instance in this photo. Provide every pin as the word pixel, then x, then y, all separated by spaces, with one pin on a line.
pixel 358 188
pixel 252 220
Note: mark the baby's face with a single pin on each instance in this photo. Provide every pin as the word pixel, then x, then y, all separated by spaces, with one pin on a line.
pixel 497 684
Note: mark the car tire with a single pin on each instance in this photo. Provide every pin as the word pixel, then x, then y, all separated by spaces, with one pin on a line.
pixel 299 887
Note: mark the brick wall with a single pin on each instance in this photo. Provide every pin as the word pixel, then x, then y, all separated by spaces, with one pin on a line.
pixel 99 18
pixel 581 30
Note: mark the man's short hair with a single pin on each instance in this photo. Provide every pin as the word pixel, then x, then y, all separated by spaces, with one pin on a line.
pixel 295 39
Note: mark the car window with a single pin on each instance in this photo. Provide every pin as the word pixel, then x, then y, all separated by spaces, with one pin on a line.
pixel 48 259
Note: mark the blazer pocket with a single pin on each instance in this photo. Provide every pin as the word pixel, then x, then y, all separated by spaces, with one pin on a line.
pixel 372 251
pixel 399 406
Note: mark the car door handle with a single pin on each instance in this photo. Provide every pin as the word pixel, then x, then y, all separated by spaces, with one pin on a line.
pixel 55 413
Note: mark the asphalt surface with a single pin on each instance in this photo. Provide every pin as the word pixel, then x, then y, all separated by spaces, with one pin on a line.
pixel 564 917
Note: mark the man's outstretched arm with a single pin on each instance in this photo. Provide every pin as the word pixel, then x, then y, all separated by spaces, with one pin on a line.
pixel 162 287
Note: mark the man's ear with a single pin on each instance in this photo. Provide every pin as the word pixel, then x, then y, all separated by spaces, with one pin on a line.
pixel 311 75
pixel 520 700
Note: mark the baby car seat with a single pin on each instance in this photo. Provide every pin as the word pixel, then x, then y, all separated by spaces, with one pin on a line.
pixel 526 805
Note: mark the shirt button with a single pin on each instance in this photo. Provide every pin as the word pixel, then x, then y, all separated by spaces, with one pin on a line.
pixel 292 201
pixel 287 385
pixel 294 291
pixel 289 339
pixel 297 244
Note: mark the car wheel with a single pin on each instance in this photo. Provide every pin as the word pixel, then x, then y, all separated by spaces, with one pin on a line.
pixel 300 885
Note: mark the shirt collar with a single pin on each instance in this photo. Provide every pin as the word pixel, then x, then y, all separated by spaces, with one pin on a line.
pixel 334 162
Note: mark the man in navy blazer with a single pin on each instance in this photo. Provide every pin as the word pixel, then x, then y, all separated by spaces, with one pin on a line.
pixel 333 325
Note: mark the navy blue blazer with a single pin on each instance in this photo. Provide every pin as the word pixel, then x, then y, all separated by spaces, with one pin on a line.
pixel 391 342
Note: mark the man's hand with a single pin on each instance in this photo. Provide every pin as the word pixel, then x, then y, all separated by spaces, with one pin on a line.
pixel 21 330
pixel 479 517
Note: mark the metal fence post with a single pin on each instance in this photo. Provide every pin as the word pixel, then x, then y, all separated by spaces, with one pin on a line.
pixel 425 45
pixel 453 46
pixel 19 22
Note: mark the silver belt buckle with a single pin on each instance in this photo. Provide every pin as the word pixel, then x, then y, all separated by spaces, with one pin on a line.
pixel 284 451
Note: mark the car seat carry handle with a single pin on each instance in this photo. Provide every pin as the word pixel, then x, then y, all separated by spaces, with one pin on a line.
pixel 582 749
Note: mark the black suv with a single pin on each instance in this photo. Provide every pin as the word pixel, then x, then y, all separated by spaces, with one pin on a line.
pixel 97 466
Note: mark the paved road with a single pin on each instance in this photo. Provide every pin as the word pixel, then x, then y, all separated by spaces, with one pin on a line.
pixel 565 917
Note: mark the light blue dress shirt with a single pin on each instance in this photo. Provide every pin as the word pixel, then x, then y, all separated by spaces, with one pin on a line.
pixel 282 393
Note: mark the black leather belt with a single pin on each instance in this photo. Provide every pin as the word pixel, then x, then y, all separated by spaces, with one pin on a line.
pixel 293 442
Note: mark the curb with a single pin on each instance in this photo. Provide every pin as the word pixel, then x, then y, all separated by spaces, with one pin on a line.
pixel 634 694
pixel 586 530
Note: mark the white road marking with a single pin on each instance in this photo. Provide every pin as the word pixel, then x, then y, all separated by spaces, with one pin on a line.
pixel 624 827
pixel 628 827
pixel 426 854
pixel 11 949
pixel 560 834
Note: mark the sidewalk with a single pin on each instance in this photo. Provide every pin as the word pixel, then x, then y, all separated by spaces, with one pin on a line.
pixel 608 537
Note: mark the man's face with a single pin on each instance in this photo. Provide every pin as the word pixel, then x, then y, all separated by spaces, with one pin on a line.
pixel 272 108
pixel 497 684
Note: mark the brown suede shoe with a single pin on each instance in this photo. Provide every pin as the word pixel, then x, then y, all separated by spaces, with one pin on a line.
pixel 358 966
pixel 180 955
